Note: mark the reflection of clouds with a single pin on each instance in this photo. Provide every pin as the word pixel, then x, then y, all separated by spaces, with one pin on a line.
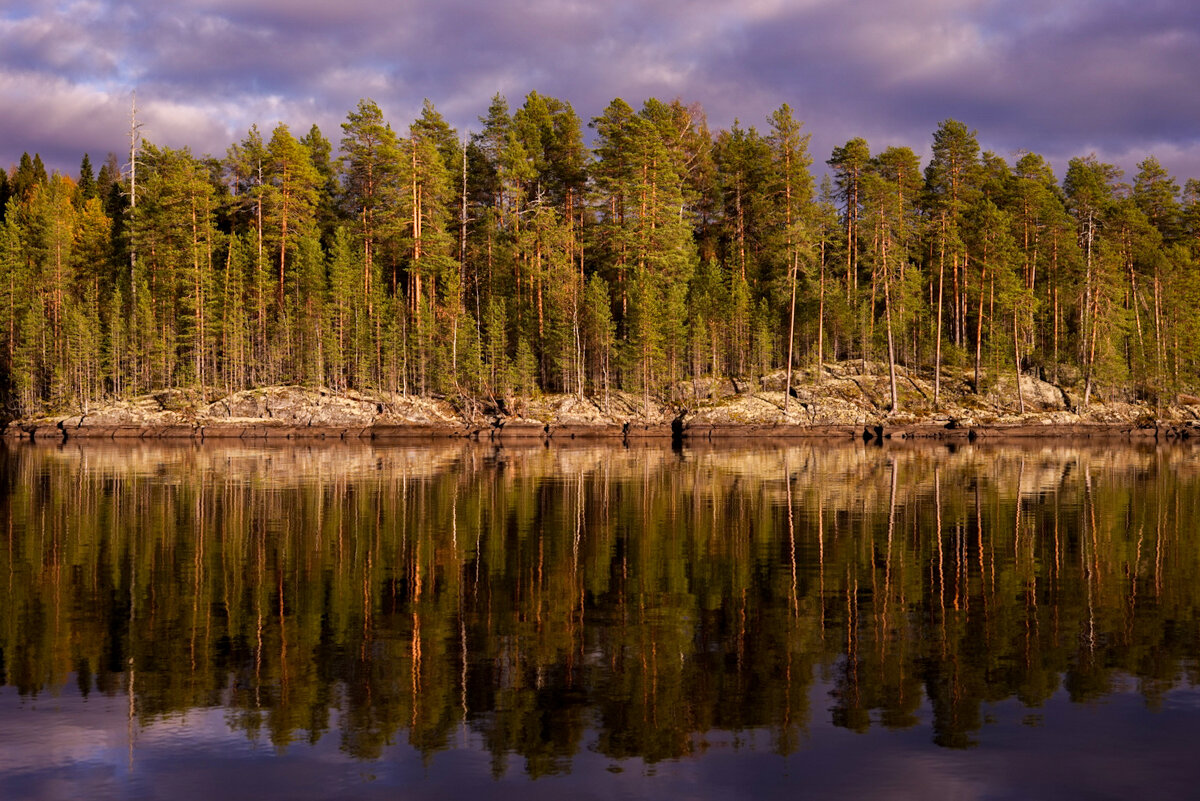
pixel 62 746
pixel 1182 698
pixel 55 732
pixel 58 729
pixel 65 747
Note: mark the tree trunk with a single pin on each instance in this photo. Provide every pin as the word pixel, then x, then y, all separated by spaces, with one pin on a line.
pixel 887 309
pixel 937 358
pixel 283 234
pixel 979 324
pixel 787 389
pixel 821 316
pixel 1088 325
pixel 1017 363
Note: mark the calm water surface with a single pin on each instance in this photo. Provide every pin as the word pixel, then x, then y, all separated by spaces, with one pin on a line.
pixel 347 621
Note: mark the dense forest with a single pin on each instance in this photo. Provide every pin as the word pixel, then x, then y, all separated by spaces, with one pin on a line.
pixel 519 260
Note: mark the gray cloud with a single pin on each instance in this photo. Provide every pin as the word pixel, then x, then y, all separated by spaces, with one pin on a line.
pixel 1062 79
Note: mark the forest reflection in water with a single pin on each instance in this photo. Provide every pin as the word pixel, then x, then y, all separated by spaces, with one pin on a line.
pixel 631 601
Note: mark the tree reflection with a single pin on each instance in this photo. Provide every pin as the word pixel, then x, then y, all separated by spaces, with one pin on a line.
pixel 551 599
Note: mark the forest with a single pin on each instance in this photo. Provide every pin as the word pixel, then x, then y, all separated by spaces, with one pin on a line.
pixel 519 260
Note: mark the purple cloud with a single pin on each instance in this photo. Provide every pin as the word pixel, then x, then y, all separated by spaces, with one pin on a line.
pixel 1062 79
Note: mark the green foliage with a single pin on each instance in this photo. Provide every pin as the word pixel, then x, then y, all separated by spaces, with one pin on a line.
pixel 599 333
pixel 524 370
pixel 519 261
pixel 495 349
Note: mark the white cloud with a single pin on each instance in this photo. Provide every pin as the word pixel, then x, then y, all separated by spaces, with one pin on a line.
pixel 1028 75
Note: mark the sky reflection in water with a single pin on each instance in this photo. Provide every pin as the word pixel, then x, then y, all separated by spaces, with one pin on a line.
pixel 452 620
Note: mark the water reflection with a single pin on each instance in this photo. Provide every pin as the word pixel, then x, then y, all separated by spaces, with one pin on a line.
pixel 635 602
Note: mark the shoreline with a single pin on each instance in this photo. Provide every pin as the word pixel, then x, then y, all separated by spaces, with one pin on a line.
pixel 845 406
pixel 530 432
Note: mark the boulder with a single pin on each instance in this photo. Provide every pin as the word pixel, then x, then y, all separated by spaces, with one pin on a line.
pixel 649 431
pixel 520 428
pixel 389 432
pixel 582 431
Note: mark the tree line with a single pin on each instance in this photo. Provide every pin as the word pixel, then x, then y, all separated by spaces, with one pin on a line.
pixel 518 260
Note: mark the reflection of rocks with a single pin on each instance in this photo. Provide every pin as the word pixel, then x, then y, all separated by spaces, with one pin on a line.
pixel 850 401
pixel 515 592
pixel 851 468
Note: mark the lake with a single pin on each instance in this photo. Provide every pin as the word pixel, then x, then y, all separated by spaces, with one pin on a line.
pixel 455 619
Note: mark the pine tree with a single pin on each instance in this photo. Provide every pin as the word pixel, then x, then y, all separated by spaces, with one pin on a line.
pixel 950 183
pixel 901 169
pixel 292 202
pixel 371 168
pixel 989 240
pixel 1088 185
pixel 1156 194
pixel 849 162
pixel 425 208
pixel 743 162
pixel 793 188
pixel 320 155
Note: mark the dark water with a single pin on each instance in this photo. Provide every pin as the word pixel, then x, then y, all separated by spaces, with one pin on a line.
pixel 455 620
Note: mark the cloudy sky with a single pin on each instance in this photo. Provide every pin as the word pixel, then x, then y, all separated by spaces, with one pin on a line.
pixel 1120 78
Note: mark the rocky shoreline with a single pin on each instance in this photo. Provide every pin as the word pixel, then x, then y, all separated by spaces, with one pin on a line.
pixel 844 404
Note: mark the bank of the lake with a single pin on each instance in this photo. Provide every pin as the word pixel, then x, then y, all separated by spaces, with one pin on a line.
pixel 848 400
